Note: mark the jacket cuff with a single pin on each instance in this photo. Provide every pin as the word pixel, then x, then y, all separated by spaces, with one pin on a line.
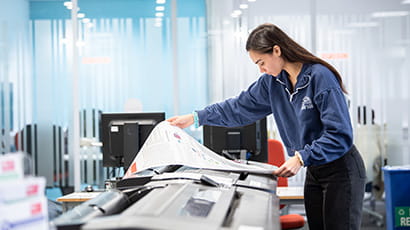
pixel 303 156
pixel 202 115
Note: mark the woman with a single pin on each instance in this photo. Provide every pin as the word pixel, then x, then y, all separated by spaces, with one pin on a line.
pixel 306 96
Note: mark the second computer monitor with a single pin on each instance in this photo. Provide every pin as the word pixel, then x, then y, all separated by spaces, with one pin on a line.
pixel 245 142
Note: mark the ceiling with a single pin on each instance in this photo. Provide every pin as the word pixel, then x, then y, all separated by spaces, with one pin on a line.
pixel 267 7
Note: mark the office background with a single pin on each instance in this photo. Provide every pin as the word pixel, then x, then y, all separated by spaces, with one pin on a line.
pixel 130 58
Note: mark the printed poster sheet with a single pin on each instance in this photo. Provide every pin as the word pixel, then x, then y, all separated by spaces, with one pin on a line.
pixel 170 145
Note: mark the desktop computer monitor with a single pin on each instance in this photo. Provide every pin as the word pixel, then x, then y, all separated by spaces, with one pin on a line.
pixel 246 142
pixel 123 134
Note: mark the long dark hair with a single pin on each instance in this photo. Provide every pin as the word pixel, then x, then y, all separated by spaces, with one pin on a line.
pixel 266 36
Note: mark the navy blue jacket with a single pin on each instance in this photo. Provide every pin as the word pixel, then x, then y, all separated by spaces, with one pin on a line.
pixel 313 119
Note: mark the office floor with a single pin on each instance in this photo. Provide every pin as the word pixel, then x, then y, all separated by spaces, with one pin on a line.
pixel 368 222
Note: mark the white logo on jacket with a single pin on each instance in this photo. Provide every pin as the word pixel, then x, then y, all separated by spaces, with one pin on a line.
pixel 307 103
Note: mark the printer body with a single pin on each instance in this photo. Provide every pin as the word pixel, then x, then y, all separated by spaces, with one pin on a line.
pixel 181 198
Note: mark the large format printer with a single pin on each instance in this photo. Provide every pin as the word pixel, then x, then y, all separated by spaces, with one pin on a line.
pixel 180 197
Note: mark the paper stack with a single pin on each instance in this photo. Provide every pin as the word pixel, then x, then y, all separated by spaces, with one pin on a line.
pixel 23 204
pixel 170 145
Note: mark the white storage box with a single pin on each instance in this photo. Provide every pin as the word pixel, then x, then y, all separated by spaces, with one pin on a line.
pixel 28 213
pixel 15 190
pixel 12 166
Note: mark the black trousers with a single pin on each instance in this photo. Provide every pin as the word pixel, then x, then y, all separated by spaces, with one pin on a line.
pixel 334 193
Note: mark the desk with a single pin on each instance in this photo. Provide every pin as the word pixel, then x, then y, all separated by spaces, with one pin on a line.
pixel 71 200
pixel 290 195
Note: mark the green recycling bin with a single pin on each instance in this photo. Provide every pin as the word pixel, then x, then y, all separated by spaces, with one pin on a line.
pixel 397 188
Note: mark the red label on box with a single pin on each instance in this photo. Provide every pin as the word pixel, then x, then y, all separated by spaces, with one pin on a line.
pixel 7 166
pixel 36 209
pixel 32 190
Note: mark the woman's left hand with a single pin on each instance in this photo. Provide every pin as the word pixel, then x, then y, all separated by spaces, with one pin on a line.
pixel 289 168
pixel 182 121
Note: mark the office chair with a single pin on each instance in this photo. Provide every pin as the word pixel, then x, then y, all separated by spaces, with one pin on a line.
pixel 370 145
pixel 276 156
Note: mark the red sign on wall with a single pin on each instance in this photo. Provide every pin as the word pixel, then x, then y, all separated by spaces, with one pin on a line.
pixel 333 56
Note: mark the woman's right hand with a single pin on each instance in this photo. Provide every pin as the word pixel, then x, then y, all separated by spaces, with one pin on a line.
pixel 182 121
pixel 289 168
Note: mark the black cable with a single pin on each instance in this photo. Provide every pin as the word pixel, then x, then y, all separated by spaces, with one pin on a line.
pixel 112 172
